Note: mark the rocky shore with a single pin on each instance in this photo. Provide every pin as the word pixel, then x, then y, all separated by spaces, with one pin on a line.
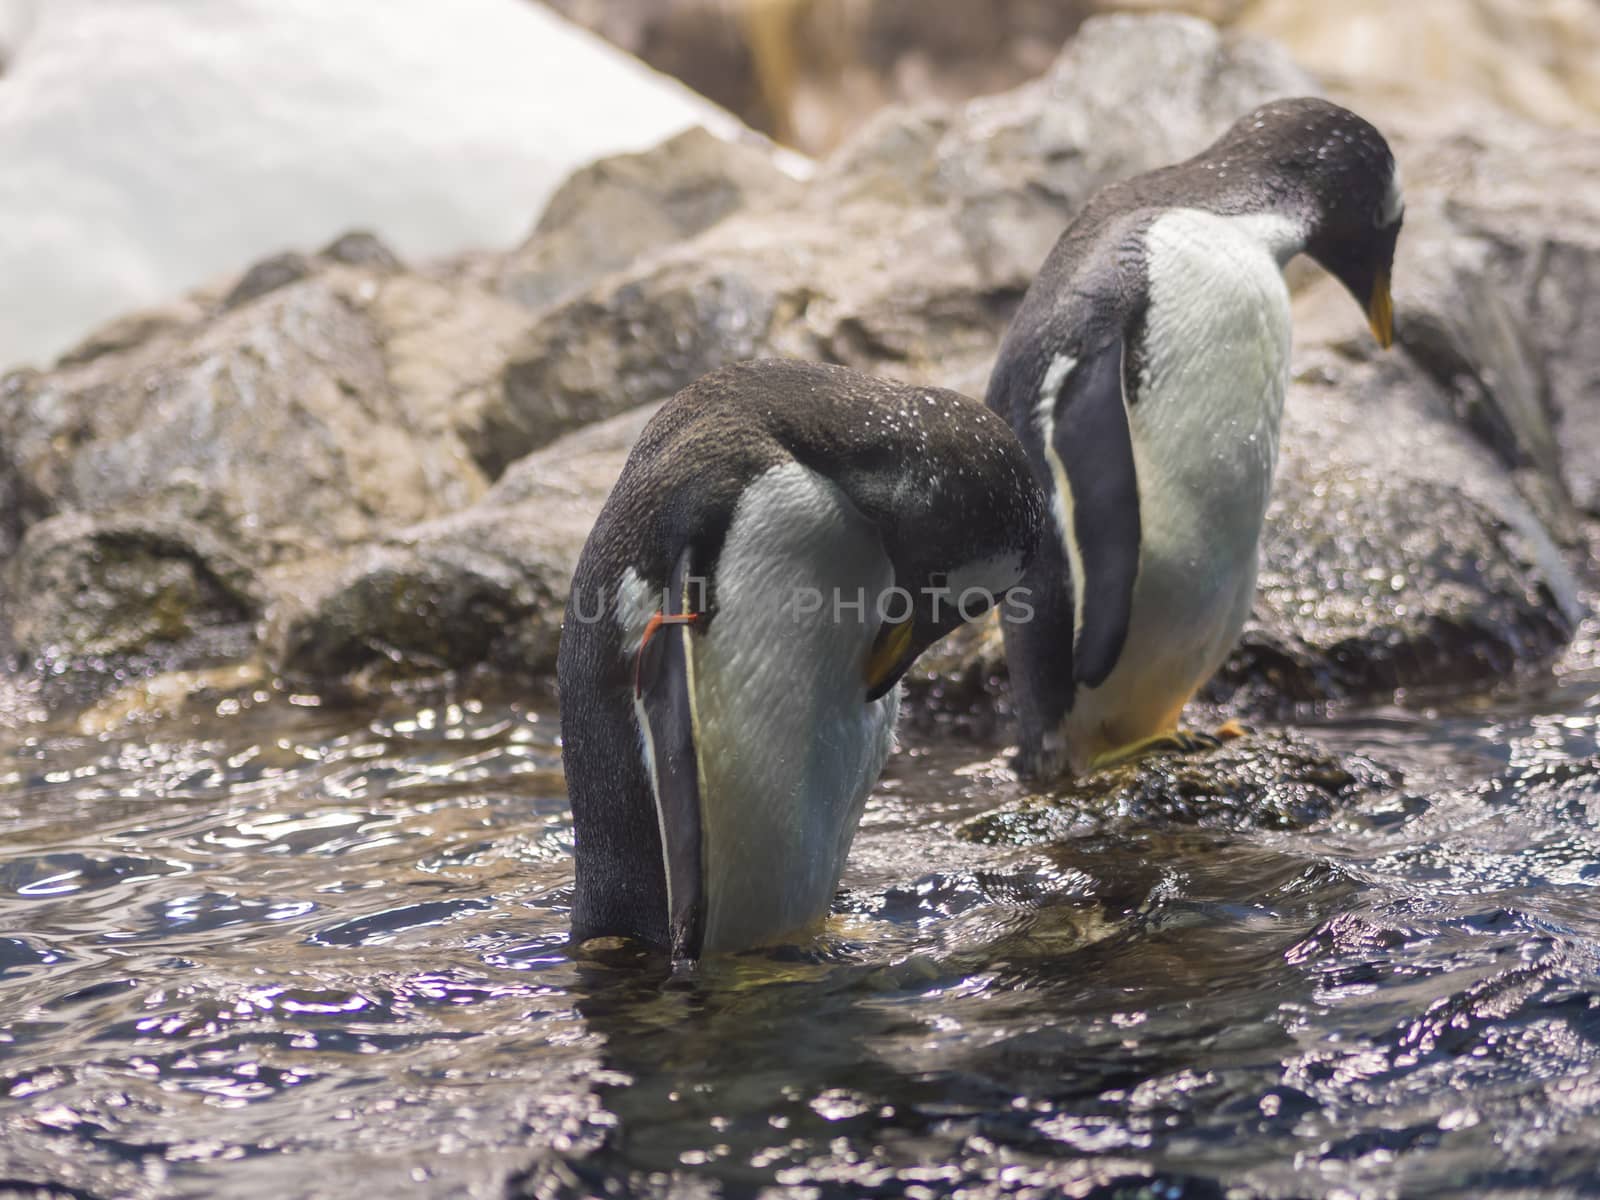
pixel 355 471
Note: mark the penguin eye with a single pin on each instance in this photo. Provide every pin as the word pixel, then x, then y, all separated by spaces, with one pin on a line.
pixel 939 580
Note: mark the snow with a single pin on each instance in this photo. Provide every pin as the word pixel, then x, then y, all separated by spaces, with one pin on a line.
pixel 149 145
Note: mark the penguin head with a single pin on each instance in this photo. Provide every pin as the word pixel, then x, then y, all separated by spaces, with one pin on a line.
pixel 948 572
pixel 1338 173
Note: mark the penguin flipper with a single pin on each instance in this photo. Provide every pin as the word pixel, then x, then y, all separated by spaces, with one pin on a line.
pixel 664 699
pixel 1090 444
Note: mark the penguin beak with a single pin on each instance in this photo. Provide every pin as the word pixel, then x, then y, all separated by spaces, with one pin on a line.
pixel 1380 311
pixel 893 651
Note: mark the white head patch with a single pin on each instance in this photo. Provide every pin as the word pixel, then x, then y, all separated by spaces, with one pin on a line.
pixel 1394 201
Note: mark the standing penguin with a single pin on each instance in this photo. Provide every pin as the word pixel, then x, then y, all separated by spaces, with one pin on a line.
pixel 1145 373
pixel 784 541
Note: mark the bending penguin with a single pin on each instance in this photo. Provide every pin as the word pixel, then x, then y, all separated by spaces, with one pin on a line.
pixel 785 539
pixel 1145 373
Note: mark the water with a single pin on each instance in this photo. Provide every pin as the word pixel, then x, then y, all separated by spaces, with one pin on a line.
pixel 268 947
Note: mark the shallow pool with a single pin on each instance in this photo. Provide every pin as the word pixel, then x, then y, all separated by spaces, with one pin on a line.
pixel 269 947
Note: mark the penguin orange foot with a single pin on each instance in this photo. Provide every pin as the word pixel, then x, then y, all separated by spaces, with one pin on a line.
pixel 1178 741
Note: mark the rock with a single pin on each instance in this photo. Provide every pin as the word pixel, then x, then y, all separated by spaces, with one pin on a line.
pixel 358 248
pixel 1276 780
pixel 268 275
pixel 611 212
pixel 908 253
pixel 1533 58
pixel 269 132
pixel 399 459
pixel 629 343
pixel 135 329
pixel 962 686
pixel 12 518
pixel 168 695
pixel 276 427
pixel 1398 552
pixel 484 587
pixel 809 73
pixel 1508 241
pixel 21 703
pixel 813 72
pixel 91 597
pixel 698 42
pixel 445 349
pixel 105 588
pixel 311 421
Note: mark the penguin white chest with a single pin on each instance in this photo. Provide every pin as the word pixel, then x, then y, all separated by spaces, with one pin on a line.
pixel 788 745
pixel 1204 421
pixel 1215 367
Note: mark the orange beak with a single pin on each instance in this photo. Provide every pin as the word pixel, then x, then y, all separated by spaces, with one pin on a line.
pixel 887 657
pixel 1380 312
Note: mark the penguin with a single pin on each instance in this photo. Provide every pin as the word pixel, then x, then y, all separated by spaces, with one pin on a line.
pixel 783 542
pixel 1145 373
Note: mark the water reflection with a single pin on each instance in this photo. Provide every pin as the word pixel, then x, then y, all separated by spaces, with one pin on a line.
pixel 277 947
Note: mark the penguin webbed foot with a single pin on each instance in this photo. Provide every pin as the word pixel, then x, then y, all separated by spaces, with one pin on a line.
pixel 1179 741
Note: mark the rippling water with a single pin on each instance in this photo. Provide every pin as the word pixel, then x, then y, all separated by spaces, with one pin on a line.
pixel 272 948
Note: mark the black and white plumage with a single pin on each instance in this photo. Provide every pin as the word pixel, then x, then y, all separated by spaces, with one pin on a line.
pixel 723 719
pixel 1145 372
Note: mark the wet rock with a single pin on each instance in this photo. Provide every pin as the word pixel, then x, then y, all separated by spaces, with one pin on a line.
pixel 962 686
pixel 12 521
pixel 611 212
pixel 486 586
pixel 445 347
pixel 627 344
pixel 1272 780
pixel 1400 552
pixel 86 589
pixel 325 404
